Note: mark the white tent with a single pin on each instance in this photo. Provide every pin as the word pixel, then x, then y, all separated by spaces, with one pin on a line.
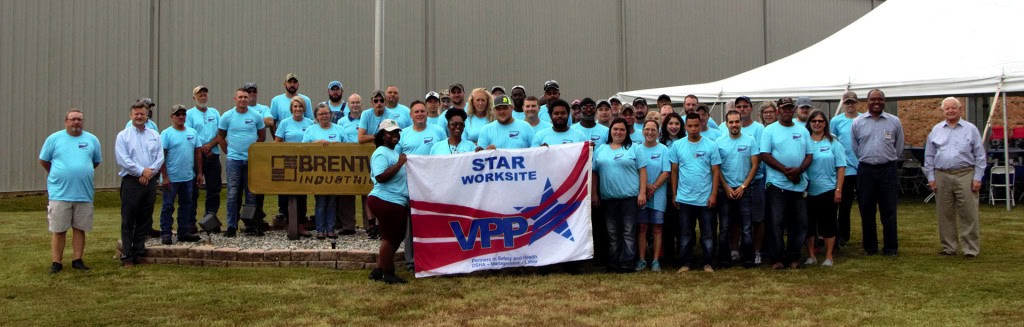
pixel 904 47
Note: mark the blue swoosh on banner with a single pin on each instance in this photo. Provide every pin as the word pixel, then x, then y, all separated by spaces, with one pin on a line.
pixel 552 219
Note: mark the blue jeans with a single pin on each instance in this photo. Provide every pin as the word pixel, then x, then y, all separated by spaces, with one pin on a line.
pixel 186 212
pixel 789 213
pixel 734 213
pixel 211 176
pixel 326 205
pixel 688 217
pixel 620 219
pixel 238 175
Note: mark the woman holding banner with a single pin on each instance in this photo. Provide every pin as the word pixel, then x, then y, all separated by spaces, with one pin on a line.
pixel 481 113
pixel 292 131
pixel 389 200
pixel 456 119
pixel 653 214
pixel 619 175
pixel 325 132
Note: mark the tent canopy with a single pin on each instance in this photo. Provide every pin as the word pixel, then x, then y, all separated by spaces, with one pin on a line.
pixel 904 47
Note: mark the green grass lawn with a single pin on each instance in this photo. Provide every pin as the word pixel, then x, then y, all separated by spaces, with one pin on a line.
pixel 918 288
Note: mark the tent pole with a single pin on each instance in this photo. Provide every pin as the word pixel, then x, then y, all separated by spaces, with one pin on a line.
pixel 712 110
pixel 1006 154
pixel 991 112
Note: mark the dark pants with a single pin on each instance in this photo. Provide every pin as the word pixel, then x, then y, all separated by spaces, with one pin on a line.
pixel 734 213
pixel 689 215
pixel 211 176
pixel 849 194
pixel 300 206
pixel 620 221
pixel 821 215
pixel 670 233
pixel 238 188
pixel 600 232
pixel 876 186
pixel 347 212
pixel 789 213
pixel 186 213
pixel 137 202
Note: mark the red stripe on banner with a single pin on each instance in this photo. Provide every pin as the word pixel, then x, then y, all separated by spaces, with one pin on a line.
pixel 437 255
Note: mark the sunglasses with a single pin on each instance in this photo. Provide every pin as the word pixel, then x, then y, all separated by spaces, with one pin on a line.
pixel 378 100
pixel 817 121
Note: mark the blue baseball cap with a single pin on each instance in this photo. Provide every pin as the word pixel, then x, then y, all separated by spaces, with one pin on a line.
pixel 332 84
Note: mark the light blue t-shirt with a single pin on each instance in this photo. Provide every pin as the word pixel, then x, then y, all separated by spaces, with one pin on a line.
pixel 281 107
pixel 413 142
pixel 516 135
pixel 519 115
pixel 369 121
pixel 404 111
pixel 821 174
pixel 331 134
pixel 735 155
pixel 694 177
pixel 657 162
pixel 442 147
pixel 618 171
pixel 473 126
pixel 338 108
pixel 241 129
pixel 263 110
pixel 788 145
pixel 711 134
pixel 395 189
pixel 550 137
pixel 291 131
pixel 149 124
pixel 205 124
pixel 754 130
pixel 637 136
pixel 840 126
pixel 71 165
pixel 542 125
pixel 545 116
pixel 597 134
pixel 181 153
pixel 350 127
pixel 711 123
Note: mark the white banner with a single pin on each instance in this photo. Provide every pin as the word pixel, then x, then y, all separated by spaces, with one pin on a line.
pixel 500 208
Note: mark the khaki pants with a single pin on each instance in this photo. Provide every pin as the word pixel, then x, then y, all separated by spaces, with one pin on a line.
pixel 953 198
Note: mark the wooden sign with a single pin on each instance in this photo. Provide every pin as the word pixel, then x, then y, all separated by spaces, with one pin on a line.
pixel 310 168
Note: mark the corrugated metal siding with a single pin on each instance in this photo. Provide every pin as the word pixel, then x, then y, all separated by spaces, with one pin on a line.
pixel 797 24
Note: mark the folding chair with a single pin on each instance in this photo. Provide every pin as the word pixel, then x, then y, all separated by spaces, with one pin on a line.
pixel 996 139
pixel 910 176
pixel 999 178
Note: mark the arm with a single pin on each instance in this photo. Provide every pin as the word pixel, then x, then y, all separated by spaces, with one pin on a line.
pixel 754 163
pixel 124 161
pixel 674 179
pixel 391 171
pixel 641 199
pixel 595 195
pixel 716 174
pixel 899 140
pixel 771 162
pixel 662 178
pixel 840 177
pixel 163 173
pixel 199 167
pixel 221 139
pixel 363 138
pixel 261 135
pixel 46 165
pixel 278 139
pixel 929 160
pixel 979 160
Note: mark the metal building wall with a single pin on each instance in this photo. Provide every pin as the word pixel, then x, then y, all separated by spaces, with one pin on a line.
pixel 793 25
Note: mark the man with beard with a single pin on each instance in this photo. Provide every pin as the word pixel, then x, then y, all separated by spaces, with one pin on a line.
pixel 740 158
pixel 205 120
pixel 268 118
pixel 280 106
pixel 552 92
pixel 803 110
pixel 640 114
pixel 446 101
pixel 369 120
pixel 690 106
pixel 339 109
pixel 559 132
pixel 877 140
pixel 532 115
pixel 786 150
pixel 458 94
pixel 391 102
pixel 604 113
pixel 616 105
pixel 594 132
pixel 635 134
pixel 753 229
pixel 505 132
pixel 518 97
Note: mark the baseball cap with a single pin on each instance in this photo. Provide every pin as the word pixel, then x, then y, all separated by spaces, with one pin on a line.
pixel 456 85
pixel 615 98
pixel 639 101
pixel 431 94
pixel 291 76
pixel 502 100
pixel 550 84
pixel 377 93
pixel 586 101
pixel 498 87
pixel 664 97
pixel 388 125
pixel 146 101
pixel 332 84
pixel 803 101
pixel 850 96
pixel 199 88
pixel 250 85
pixel 176 108
pixel 445 94
pixel 604 102
pixel 784 102
pixel 519 87
pixel 625 107
pixel 742 98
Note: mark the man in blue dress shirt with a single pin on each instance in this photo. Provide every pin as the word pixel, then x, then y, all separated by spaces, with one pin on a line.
pixel 140 156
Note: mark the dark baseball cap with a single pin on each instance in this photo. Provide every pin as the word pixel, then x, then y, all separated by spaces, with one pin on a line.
pixel 498 87
pixel 250 85
pixel 176 108
pixel 604 102
pixel 803 102
pixel 502 100
pixel 665 97
pixel 146 101
pixel 551 84
pixel 639 101
pixel 784 102
pixel 850 96
pixel 742 98
pixel 586 101
pixel 456 85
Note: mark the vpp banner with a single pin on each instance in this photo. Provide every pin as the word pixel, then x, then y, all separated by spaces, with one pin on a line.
pixel 500 208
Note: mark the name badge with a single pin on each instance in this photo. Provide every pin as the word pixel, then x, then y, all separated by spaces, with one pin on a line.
pixel 888 135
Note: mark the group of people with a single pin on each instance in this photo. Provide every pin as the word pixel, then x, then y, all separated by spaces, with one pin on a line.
pixel 759 191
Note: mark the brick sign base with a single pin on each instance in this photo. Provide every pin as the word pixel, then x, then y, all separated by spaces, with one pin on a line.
pixel 210 256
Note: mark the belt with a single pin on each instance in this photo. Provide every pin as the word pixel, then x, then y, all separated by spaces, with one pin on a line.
pixel 878 165
pixel 957 171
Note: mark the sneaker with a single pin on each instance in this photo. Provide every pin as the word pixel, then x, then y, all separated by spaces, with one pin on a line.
pixel 231 233
pixel 56 267
pixel 707 268
pixel 735 255
pixel 811 261
pixel 827 263
pixel 390 278
pixel 165 239
pixel 943 252
pixel 78 264
pixel 655 266
pixel 641 265
pixel 376 274
pixel 757 258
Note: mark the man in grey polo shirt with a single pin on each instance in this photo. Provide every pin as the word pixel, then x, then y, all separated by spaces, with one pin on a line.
pixel 877 140
pixel 954 161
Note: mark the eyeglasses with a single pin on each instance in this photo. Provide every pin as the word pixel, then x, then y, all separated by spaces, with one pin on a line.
pixel 817 121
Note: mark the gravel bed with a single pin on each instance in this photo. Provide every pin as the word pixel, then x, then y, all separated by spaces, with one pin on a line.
pixel 278 239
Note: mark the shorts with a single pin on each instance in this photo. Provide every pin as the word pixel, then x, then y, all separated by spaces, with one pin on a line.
pixel 650 216
pixel 63 215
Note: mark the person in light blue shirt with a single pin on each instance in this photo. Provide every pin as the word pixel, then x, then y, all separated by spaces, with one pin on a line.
pixel 705 130
pixel 335 94
pixel 389 199
pixel 740 158
pixel 421 137
pixel 825 184
pixel 480 114
pixel 695 172
pixel 238 129
pixel 324 132
pixel 70 158
pixel 181 168
pixel 620 174
pixel 369 120
pixel 594 132
pixel 391 102
pixel 280 106
pixel 205 120
pixel 653 213
pixel 785 149
pixel 753 228
pixel 347 203
pixel 293 130
pixel 268 117
pixel 530 115
pixel 505 132
pixel 139 157
pixel 636 133
pixel 454 143
pixel 690 104
pixel 350 123
pixel 559 132
pixel 840 126
pixel 434 114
